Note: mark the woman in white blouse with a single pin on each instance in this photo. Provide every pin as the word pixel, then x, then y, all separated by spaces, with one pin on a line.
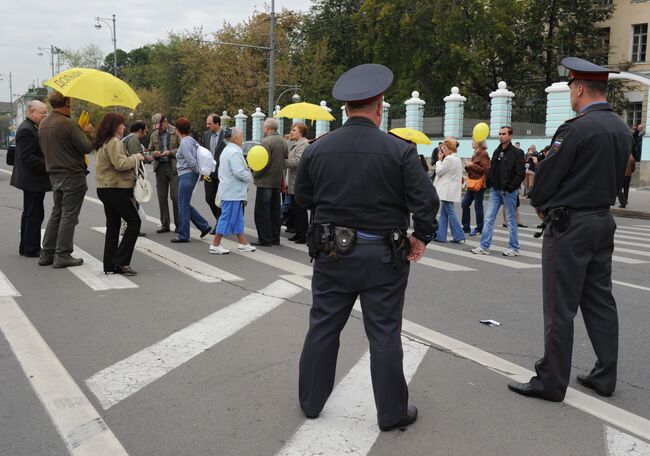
pixel 448 182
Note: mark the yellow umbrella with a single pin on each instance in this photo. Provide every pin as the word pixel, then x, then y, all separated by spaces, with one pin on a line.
pixel 305 111
pixel 95 86
pixel 412 135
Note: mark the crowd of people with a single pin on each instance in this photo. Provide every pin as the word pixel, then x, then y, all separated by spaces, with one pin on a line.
pixel 52 155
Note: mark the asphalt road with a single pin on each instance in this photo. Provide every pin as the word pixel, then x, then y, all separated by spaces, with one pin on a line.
pixel 198 354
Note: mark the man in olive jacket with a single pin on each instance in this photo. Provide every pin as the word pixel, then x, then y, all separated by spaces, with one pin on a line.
pixel 29 175
pixel 268 182
pixel 64 145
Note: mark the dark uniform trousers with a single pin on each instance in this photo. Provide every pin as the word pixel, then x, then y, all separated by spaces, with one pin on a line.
pixel 167 187
pixel 366 273
pixel 267 215
pixel 576 269
pixel 68 196
pixel 118 205
pixel 31 222
pixel 211 189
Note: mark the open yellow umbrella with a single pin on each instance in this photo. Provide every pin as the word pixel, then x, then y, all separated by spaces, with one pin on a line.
pixel 412 135
pixel 95 86
pixel 304 111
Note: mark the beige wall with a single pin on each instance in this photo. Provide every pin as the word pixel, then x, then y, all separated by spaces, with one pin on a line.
pixel 626 14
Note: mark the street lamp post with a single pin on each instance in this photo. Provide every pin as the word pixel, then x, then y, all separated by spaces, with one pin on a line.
pixel 295 97
pixel 11 94
pixel 106 20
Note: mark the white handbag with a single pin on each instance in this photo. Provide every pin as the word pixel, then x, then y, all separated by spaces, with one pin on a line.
pixel 142 188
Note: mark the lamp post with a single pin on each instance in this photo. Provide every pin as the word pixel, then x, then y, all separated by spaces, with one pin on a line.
pixel 11 93
pixel 52 51
pixel 98 25
pixel 295 97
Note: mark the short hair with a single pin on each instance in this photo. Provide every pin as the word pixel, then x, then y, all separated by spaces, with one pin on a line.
pixel 137 126
pixel 301 127
pixel 58 100
pixel 215 119
pixel 271 124
pixel 183 125
pixel 35 104
pixel 593 87
pixel 507 127
pixel 235 133
pixel 450 143
pixel 359 106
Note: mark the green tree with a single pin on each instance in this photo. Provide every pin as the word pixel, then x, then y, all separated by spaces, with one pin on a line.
pixel 89 56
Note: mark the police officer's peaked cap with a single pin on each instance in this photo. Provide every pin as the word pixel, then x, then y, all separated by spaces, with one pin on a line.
pixel 586 71
pixel 363 83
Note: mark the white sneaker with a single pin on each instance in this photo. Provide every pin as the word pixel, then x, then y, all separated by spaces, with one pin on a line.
pixel 510 253
pixel 245 248
pixel 480 251
pixel 218 250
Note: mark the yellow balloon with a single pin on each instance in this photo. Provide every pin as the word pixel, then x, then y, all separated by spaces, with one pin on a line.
pixel 481 132
pixel 258 158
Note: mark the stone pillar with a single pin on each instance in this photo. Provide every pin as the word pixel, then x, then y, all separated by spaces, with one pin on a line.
pixel 454 113
pixel 344 116
pixel 280 120
pixel 323 126
pixel 384 117
pixel 226 120
pixel 500 109
pixel 258 119
pixel 240 121
pixel 558 106
pixel 415 111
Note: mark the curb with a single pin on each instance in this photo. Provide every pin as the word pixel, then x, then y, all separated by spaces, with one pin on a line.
pixel 630 214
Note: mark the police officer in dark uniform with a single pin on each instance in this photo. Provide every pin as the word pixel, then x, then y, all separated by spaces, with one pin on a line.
pixel 361 185
pixel 574 187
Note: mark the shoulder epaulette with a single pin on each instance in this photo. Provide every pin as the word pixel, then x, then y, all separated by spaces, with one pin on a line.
pixel 574 118
pixel 318 137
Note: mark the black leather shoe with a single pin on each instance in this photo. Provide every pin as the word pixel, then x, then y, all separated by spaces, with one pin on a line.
pixel 585 381
pixel 411 416
pixel 521 225
pixel 125 270
pixel 164 229
pixel 300 241
pixel 261 244
pixel 531 389
pixel 206 231
pixel 142 234
pixel 293 238
pixel 177 240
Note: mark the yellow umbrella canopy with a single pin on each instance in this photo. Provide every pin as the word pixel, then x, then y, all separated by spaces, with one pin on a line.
pixel 304 111
pixel 412 135
pixel 95 86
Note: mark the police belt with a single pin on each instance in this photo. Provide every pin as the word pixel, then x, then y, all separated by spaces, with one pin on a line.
pixel 560 217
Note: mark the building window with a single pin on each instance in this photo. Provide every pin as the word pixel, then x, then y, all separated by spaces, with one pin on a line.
pixel 639 42
pixel 603 40
pixel 633 113
pixel 606 2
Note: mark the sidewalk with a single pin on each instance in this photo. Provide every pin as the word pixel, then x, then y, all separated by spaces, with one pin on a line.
pixel 638 206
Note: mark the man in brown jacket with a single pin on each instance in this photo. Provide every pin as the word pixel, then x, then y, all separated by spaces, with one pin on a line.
pixel 476 168
pixel 64 145
pixel 268 182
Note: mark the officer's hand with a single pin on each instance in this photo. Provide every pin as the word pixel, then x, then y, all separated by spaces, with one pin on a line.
pixel 540 214
pixel 417 249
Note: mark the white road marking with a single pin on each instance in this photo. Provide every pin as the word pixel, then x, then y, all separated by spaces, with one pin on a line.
pixel 6 171
pixel 640 227
pixel 91 272
pixel 538 245
pixel 501 261
pixel 631 285
pixel 632 231
pixel 121 380
pixel 348 423
pixel 617 237
pixel 622 444
pixel 82 429
pixel 7 288
pixel 186 264
pixel 522 253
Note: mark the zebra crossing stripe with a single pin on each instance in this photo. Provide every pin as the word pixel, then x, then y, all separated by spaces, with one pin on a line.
pixel 82 429
pixel 121 380
pixel 348 423
pixel 485 258
pixel 186 264
pixel 7 289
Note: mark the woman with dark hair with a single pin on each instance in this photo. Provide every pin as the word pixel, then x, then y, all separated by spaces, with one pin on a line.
pixel 114 172
pixel 188 170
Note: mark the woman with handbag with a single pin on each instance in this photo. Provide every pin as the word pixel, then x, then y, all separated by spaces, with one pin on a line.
pixel 477 168
pixel 114 171
pixel 449 175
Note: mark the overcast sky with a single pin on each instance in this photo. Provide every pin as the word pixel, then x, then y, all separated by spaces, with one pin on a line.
pixel 69 24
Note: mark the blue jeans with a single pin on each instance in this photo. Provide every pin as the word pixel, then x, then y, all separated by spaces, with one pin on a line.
pixel 186 212
pixel 447 214
pixel 509 201
pixel 477 199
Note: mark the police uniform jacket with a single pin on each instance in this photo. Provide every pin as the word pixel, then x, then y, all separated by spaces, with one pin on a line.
pixel 29 168
pixel 586 164
pixel 360 177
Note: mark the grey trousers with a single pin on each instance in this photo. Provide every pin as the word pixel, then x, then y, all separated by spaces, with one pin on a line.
pixel 68 195
pixel 167 187
pixel 577 273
